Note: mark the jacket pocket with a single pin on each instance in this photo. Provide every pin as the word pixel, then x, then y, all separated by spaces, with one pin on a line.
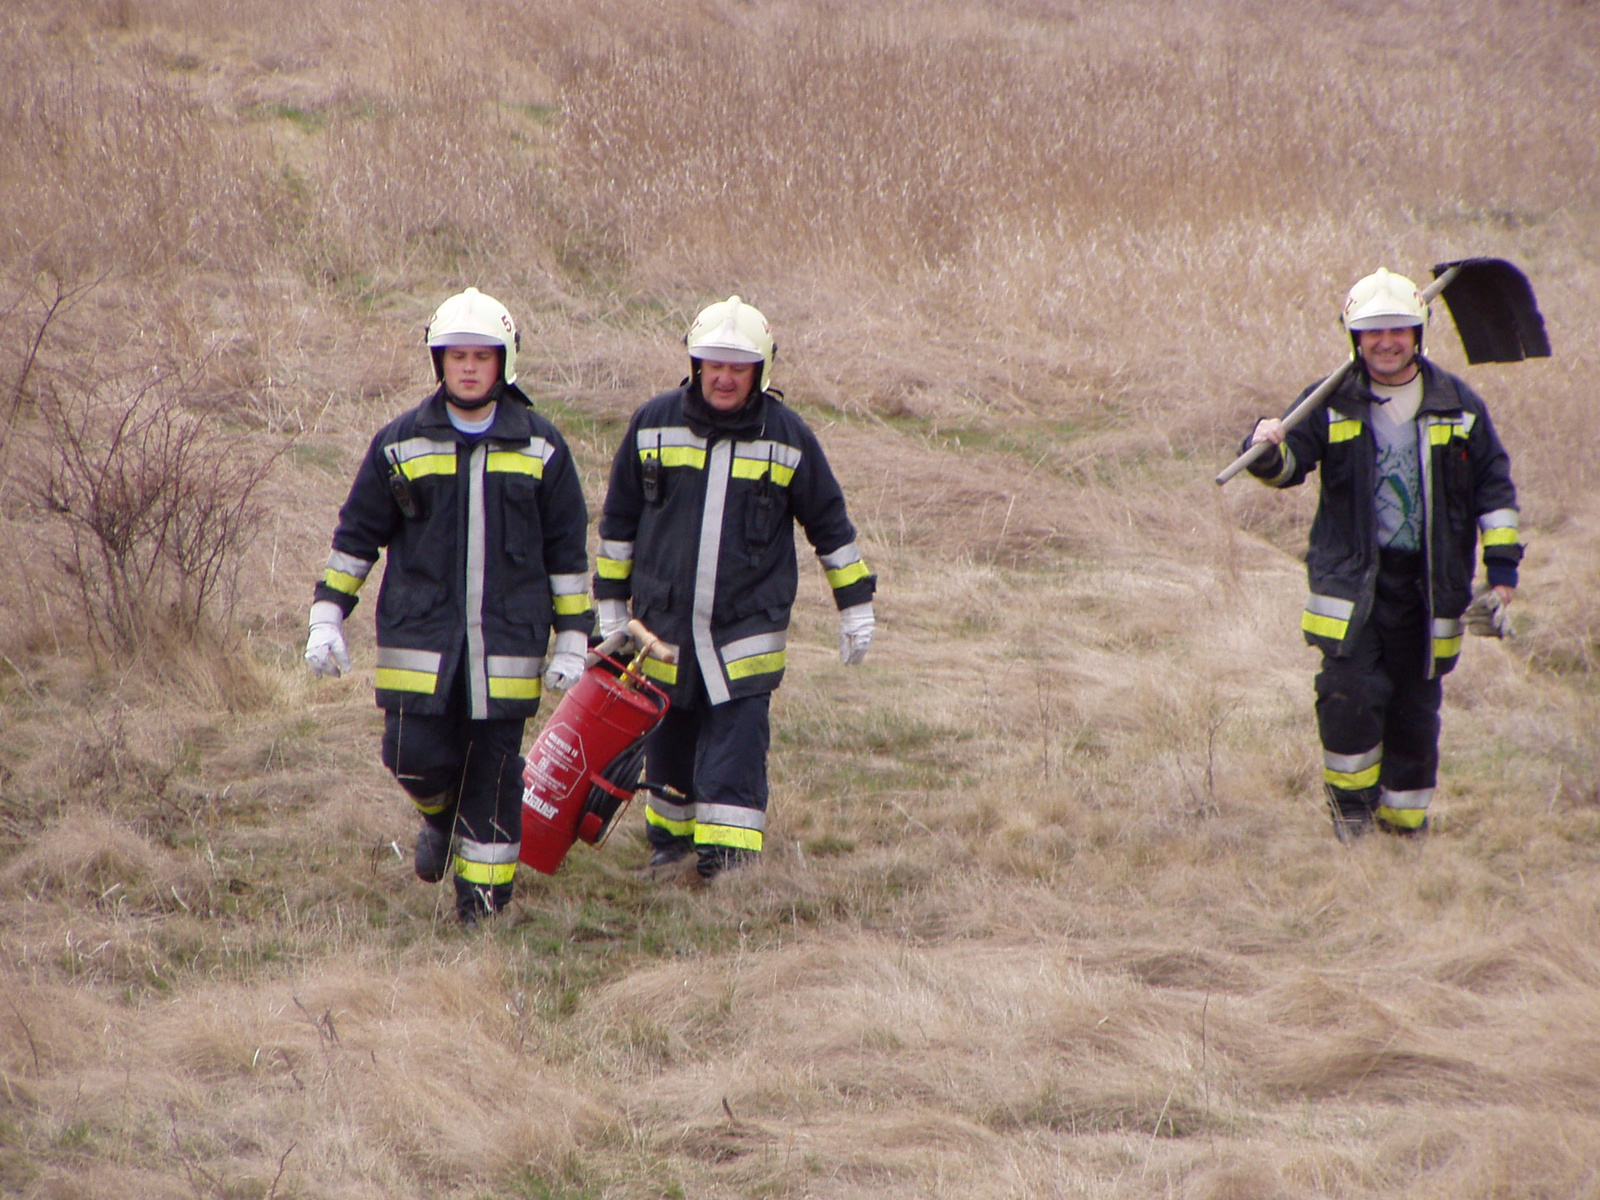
pixel 651 595
pixel 519 515
pixel 528 604
pixel 403 602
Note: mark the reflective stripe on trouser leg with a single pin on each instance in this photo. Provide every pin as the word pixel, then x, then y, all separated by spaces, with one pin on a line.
pixel 717 756
pixel 489 814
pixel 669 759
pixel 730 774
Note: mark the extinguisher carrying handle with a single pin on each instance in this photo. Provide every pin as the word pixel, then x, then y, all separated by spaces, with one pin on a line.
pixel 606 648
pixel 650 644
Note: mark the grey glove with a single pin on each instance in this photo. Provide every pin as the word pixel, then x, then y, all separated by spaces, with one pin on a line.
pixel 565 667
pixel 1488 616
pixel 326 653
pixel 856 626
pixel 613 617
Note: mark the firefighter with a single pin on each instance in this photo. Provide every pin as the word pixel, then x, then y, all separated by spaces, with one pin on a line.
pixel 476 500
pixel 697 534
pixel 1413 479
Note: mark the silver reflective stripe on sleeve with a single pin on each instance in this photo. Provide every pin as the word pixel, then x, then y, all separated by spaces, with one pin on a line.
pixel 732 815
pixel 505 666
pixel 842 557
pixel 477 670
pixel 705 579
pixel 568 585
pixel 621 551
pixel 349 564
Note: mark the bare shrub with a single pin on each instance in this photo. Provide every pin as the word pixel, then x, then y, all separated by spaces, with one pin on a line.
pixel 156 499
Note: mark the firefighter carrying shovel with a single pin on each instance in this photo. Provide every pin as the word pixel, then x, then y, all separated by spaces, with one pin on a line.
pixel 1413 478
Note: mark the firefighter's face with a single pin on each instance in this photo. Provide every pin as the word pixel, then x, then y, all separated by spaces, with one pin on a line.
pixel 1388 353
pixel 726 386
pixel 470 372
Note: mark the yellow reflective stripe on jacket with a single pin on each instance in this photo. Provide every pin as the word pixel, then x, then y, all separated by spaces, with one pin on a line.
pixel 763 654
pixel 752 460
pixel 402 670
pixel 614 560
pixel 674 445
pixel 844 566
pixel 569 594
pixel 750 468
pixel 345 572
pixel 1284 471
pixel 1327 616
pixel 514 677
pixel 418 457
pixel 524 460
pixel 661 672
pixel 677 456
pixel 1342 428
pixel 1446 638
pixel 1442 430
pixel 1499 528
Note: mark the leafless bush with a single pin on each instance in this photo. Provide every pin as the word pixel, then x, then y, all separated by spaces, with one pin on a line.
pixel 156 500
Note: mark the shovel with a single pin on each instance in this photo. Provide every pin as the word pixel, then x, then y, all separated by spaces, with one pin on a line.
pixel 1495 314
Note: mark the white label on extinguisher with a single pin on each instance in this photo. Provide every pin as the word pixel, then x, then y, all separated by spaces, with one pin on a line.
pixel 556 766
pixel 544 809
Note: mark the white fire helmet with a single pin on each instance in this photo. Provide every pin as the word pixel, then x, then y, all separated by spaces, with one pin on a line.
pixel 470 318
pixel 1384 300
pixel 734 332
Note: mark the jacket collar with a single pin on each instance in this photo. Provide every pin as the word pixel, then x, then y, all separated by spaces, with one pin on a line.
pixel 1354 395
pixel 513 417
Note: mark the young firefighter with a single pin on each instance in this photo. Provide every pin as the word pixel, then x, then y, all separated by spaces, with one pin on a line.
pixel 698 533
pixel 476 499
pixel 1412 477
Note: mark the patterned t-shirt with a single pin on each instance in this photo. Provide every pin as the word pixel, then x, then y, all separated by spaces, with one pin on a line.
pixel 1399 470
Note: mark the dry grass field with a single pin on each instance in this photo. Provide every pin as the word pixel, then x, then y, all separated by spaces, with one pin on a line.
pixel 1051 907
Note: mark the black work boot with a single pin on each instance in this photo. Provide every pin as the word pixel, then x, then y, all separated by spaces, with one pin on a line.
pixel 713 860
pixel 474 901
pixel 433 853
pixel 1351 811
pixel 668 860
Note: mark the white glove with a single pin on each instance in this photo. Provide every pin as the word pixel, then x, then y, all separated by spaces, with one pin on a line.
pixel 566 665
pixel 855 633
pixel 613 617
pixel 1488 616
pixel 326 653
pixel 564 671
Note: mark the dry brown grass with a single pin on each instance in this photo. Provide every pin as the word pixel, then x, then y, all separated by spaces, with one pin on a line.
pixel 1050 908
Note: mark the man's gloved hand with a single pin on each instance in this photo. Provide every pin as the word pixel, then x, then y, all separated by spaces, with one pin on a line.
pixel 1488 615
pixel 326 653
pixel 613 617
pixel 566 664
pixel 855 633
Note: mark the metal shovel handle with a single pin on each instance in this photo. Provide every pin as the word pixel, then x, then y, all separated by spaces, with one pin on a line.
pixel 1323 390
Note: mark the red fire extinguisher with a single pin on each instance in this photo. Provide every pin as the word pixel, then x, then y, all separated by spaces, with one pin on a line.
pixel 583 768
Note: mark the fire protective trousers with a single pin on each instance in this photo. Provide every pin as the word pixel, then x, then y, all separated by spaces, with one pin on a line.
pixel 465 778
pixel 1377 712
pixel 716 755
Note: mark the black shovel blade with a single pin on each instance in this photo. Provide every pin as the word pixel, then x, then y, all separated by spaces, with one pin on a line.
pixel 1494 311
